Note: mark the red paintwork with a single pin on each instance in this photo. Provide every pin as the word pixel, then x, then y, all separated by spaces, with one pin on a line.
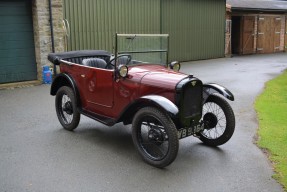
pixel 103 95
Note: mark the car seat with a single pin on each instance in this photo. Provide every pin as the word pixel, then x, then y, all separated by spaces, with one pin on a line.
pixel 95 62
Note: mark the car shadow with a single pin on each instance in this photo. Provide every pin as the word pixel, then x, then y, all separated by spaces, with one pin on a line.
pixel 117 141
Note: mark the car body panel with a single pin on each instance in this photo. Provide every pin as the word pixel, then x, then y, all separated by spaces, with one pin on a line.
pixel 106 93
pixel 100 94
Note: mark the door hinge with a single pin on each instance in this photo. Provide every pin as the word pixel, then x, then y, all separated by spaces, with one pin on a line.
pixel 260 33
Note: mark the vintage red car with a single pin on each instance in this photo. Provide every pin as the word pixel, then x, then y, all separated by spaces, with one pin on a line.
pixel 137 86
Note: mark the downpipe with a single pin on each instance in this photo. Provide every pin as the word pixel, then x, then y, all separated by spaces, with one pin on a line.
pixel 52 32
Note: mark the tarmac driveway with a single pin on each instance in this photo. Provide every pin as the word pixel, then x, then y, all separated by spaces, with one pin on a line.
pixel 36 154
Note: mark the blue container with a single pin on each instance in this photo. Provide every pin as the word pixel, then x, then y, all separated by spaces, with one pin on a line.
pixel 47 75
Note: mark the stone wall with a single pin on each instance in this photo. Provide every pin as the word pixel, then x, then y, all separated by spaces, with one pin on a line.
pixel 42 30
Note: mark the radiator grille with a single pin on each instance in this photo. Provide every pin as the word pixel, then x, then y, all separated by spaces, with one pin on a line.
pixel 192 100
pixel 189 101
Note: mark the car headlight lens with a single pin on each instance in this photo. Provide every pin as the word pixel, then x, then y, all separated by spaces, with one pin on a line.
pixel 123 70
pixel 175 65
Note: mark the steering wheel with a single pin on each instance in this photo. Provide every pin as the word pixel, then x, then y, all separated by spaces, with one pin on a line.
pixel 123 59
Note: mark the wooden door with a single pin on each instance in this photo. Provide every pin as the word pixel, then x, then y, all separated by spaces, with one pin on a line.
pixel 285 45
pixel 277 33
pixel 248 35
pixel 265 36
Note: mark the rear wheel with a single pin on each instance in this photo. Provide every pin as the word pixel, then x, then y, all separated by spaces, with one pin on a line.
pixel 155 137
pixel 66 108
pixel 219 121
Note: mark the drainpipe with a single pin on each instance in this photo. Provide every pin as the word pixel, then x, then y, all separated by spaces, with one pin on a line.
pixel 52 32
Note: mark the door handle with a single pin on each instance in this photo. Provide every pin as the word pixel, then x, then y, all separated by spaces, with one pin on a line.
pixel 83 76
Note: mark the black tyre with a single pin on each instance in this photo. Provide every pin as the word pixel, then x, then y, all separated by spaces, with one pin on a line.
pixel 66 108
pixel 219 121
pixel 155 137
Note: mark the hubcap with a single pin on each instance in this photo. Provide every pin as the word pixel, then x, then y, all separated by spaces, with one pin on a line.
pixel 156 136
pixel 68 108
pixel 210 120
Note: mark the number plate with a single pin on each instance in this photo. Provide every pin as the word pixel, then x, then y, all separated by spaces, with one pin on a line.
pixel 186 132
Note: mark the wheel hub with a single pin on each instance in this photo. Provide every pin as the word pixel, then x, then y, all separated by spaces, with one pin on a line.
pixel 156 136
pixel 68 108
pixel 210 120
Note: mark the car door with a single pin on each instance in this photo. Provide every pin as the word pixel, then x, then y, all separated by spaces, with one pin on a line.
pixel 98 89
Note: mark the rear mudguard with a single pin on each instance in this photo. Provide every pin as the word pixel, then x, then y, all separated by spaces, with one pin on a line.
pixel 64 79
pixel 212 88
pixel 157 101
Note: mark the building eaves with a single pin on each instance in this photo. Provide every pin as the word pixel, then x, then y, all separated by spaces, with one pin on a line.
pixel 258 5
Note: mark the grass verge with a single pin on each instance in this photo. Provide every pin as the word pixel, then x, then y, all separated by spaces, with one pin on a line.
pixel 271 107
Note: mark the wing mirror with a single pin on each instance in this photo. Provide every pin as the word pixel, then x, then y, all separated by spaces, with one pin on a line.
pixel 175 65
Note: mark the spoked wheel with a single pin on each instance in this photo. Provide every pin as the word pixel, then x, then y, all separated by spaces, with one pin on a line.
pixel 155 137
pixel 66 108
pixel 219 121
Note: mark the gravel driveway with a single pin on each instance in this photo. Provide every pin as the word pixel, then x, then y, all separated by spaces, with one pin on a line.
pixel 36 154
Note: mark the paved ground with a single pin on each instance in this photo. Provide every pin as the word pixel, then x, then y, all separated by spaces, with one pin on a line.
pixel 36 154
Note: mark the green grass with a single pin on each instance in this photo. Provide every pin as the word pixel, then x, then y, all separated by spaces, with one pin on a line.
pixel 271 107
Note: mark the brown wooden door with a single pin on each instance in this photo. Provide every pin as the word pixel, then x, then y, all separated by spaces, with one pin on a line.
pixel 248 35
pixel 277 33
pixel 285 45
pixel 265 35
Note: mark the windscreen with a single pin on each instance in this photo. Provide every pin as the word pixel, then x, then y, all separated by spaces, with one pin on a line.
pixel 145 49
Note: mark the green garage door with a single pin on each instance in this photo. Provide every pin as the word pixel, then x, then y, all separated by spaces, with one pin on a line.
pixel 17 51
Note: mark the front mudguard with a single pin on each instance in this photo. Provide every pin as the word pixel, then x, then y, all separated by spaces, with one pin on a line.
pixel 211 88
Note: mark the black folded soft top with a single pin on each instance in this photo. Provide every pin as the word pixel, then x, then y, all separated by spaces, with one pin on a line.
pixel 56 57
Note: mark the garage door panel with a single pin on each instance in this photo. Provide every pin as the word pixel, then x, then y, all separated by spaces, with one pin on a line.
pixel 17 50
pixel 261 35
pixel 265 40
pixel 248 34
pixel 16 36
pixel 285 34
pixel 14 77
pixel 4 45
pixel 14 20
pixel 17 53
pixel 16 27
pixel 20 62
pixel 15 11
pixel 277 33
pixel 14 8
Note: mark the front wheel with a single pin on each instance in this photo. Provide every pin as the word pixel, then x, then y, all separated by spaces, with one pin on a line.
pixel 155 137
pixel 66 108
pixel 219 121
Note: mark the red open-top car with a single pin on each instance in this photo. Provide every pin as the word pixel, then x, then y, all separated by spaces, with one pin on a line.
pixel 136 85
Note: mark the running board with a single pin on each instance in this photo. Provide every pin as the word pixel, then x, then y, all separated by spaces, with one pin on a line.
pixel 102 119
